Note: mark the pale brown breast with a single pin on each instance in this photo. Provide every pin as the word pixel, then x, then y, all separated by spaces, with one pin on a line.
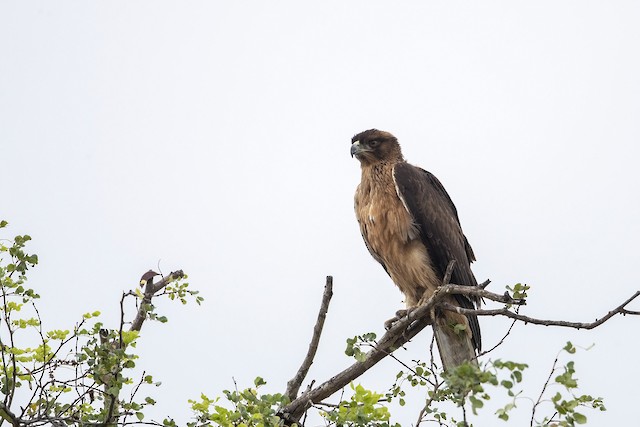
pixel 391 235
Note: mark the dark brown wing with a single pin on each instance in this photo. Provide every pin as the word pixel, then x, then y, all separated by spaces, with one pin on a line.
pixel 433 211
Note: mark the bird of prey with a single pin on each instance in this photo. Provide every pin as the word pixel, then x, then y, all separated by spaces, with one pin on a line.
pixel 411 227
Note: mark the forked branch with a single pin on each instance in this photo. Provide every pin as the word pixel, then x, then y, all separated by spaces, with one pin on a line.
pixel 410 325
pixel 526 319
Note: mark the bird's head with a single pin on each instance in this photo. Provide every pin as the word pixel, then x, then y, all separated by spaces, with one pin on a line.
pixel 147 278
pixel 375 146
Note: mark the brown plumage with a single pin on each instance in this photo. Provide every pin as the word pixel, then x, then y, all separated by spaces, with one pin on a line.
pixel 411 227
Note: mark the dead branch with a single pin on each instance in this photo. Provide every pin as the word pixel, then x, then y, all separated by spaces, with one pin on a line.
pixel 293 386
pixel 526 319
pixel 449 271
pixel 409 326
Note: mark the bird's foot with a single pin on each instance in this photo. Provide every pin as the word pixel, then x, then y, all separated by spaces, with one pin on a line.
pixel 399 315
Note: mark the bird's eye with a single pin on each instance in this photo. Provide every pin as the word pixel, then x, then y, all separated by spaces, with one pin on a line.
pixel 374 143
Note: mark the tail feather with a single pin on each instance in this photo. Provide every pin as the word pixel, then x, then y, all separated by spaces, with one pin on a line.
pixel 455 347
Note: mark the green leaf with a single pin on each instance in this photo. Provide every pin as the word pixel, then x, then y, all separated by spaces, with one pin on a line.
pixel 579 418
pixel 129 336
pixel 517 375
pixel 475 404
pixel 569 348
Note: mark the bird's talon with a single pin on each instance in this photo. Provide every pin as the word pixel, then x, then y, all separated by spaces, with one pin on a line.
pixel 399 315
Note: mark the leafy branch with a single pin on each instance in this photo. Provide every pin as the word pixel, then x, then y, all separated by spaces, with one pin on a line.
pixel 404 329
pixel 89 394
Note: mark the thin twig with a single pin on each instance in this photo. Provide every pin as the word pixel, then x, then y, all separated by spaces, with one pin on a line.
pixel 503 338
pixel 293 386
pixel 544 388
pixel 437 384
pixel 410 369
pixel 526 319
pixel 120 339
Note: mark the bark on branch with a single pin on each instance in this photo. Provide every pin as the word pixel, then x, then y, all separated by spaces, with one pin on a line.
pixel 526 319
pixel 293 386
pixel 409 326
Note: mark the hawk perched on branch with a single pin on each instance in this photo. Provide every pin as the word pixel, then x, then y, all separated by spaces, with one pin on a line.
pixel 411 227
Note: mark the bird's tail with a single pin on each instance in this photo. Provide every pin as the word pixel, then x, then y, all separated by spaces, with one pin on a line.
pixel 453 337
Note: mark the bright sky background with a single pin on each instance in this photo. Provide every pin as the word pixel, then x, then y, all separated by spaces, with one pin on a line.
pixel 214 137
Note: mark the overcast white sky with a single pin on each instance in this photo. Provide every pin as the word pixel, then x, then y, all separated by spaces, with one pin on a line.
pixel 214 136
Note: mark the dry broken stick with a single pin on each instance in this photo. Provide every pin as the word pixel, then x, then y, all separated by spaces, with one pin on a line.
pixel 293 385
pixel 406 328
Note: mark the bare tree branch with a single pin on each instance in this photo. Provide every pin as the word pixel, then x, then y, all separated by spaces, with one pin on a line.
pixel 407 327
pixel 526 319
pixel 484 284
pixel 449 271
pixel 7 415
pixel 293 386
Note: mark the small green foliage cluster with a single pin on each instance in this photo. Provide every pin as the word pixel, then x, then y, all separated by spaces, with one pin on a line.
pixel 179 290
pixel 419 375
pixel 20 261
pixel 149 308
pixel 565 402
pixel 15 297
pixel 245 408
pixel 355 344
pixel 364 408
pixel 72 376
pixel 518 292
pixel 465 386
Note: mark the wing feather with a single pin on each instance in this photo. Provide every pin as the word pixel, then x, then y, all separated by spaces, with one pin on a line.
pixel 434 213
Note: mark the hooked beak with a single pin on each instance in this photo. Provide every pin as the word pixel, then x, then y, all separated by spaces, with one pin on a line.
pixel 356 148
